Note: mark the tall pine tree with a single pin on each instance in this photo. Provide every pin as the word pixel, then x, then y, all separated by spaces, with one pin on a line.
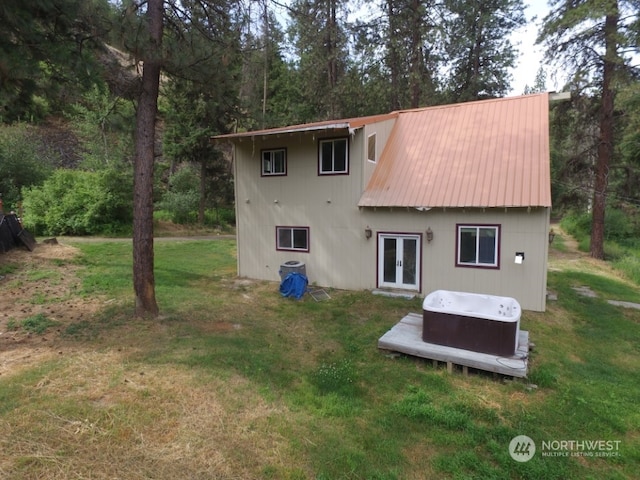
pixel 591 37
pixel 478 47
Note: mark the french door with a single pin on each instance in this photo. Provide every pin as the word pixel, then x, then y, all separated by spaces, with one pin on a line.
pixel 399 261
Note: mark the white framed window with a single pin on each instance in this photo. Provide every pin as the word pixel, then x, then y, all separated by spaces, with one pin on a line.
pixel 478 246
pixel 274 162
pixel 292 238
pixel 333 156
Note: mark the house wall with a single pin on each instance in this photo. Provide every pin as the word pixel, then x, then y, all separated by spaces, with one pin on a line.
pixel 326 204
pixel 340 255
pixel 522 230
pixel 382 131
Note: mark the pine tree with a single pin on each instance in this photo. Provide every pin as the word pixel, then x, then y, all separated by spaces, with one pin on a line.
pixel 47 53
pixel 478 47
pixel 320 45
pixel 590 37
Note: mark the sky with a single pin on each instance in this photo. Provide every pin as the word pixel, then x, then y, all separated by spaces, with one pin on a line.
pixel 531 55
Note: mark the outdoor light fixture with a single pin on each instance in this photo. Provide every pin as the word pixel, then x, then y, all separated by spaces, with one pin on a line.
pixel 368 232
pixel 429 235
pixel 519 258
pixel 552 235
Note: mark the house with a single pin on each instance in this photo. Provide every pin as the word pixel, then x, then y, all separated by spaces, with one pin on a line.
pixel 453 197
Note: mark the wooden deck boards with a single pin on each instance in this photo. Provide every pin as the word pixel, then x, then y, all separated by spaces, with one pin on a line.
pixel 406 337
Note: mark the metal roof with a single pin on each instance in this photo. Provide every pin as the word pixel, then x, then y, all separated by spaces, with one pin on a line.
pixel 491 153
pixel 345 124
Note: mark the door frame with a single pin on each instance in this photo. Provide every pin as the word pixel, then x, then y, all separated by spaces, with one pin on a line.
pixel 380 259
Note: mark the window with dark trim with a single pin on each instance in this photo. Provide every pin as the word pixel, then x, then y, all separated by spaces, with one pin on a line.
pixel 274 162
pixel 478 246
pixel 371 147
pixel 292 238
pixel 333 156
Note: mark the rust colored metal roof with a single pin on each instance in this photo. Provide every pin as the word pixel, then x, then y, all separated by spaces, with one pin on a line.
pixel 491 153
pixel 345 124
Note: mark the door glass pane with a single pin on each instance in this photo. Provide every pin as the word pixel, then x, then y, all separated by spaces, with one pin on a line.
pixel 390 248
pixel 409 250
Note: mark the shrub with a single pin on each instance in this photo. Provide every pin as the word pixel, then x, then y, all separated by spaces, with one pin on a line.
pixel 181 201
pixel 618 226
pixel 76 202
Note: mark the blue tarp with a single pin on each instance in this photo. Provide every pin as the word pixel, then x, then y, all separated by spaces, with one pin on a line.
pixel 294 285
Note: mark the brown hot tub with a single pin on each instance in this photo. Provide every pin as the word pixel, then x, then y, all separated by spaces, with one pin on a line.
pixel 480 323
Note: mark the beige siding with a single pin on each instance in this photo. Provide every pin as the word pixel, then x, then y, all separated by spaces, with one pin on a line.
pixel 521 231
pixel 325 204
pixel 382 131
pixel 340 256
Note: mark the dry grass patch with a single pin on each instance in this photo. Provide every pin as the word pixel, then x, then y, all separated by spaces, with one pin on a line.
pixel 99 415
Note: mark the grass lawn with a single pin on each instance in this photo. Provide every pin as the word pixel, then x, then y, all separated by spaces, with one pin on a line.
pixel 235 382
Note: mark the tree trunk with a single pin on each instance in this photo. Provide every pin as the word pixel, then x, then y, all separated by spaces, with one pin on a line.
pixel 605 147
pixel 143 276
pixel 415 75
pixel 394 58
pixel 202 202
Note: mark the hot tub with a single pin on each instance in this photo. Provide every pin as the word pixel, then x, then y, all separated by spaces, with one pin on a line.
pixel 471 321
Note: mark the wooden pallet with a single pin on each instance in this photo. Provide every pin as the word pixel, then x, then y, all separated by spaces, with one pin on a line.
pixel 406 337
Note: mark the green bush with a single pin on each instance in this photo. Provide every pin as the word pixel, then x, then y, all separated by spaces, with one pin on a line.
pixel 618 227
pixel 181 201
pixel 76 202
pixel 220 217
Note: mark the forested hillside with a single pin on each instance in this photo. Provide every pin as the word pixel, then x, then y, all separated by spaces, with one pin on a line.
pixel 70 85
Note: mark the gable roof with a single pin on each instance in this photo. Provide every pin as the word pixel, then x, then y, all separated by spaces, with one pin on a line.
pixel 491 153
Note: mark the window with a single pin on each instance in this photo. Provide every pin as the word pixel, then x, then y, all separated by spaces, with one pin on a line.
pixel 292 238
pixel 274 162
pixel 478 246
pixel 371 148
pixel 334 157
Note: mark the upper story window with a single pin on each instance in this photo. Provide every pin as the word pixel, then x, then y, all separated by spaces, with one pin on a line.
pixel 292 238
pixel 274 162
pixel 333 157
pixel 371 147
pixel 478 246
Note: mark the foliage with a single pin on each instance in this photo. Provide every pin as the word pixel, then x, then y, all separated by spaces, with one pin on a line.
pixel 22 163
pixel 77 202
pixel 103 122
pixel 478 47
pixel 182 197
pixel 319 38
pixel 619 225
pixel 47 50
pixel 594 40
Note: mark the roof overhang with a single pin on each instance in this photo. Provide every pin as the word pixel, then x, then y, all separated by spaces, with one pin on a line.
pixel 347 125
